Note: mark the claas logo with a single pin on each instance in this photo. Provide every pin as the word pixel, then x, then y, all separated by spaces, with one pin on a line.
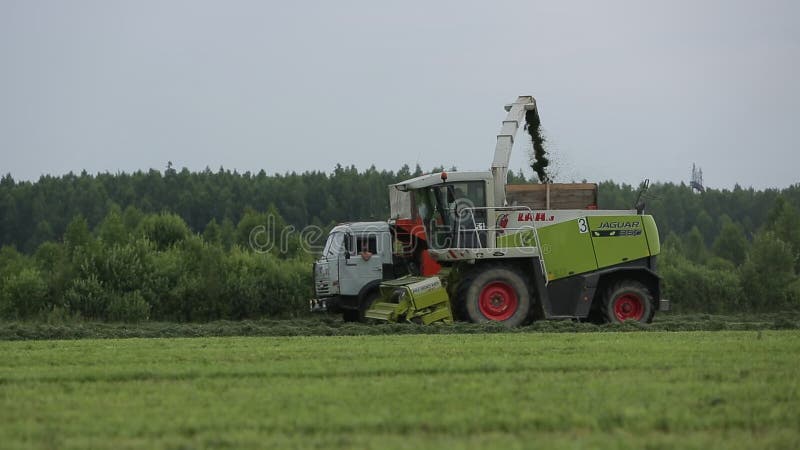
pixel 535 217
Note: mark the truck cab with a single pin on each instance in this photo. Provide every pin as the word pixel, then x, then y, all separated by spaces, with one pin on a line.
pixel 357 256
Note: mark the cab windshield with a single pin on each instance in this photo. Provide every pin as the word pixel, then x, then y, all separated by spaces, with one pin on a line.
pixel 334 244
pixel 452 214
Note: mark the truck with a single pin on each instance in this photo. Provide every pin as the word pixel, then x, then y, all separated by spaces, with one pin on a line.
pixel 449 233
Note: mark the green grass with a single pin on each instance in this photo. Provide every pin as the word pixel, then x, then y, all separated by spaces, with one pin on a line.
pixel 728 389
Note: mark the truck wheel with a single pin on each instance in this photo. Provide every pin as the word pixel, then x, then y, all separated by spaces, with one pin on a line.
pixel 628 300
pixel 350 315
pixel 497 294
pixel 366 303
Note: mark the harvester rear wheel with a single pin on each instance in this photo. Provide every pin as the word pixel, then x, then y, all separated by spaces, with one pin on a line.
pixel 628 300
pixel 496 294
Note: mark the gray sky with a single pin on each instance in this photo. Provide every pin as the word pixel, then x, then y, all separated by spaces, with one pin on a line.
pixel 626 89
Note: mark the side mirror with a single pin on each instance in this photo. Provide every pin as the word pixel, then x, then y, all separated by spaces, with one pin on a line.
pixel 347 239
pixel 639 203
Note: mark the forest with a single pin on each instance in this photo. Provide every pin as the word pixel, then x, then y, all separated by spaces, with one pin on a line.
pixel 174 245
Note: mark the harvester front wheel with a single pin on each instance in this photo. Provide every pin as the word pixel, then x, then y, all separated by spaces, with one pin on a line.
pixel 628 300
pixel 497 294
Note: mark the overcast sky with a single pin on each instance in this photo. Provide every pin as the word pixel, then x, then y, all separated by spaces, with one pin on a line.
pixel 626 89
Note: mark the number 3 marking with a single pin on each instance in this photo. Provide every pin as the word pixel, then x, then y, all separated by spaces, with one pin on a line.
pixel 582 226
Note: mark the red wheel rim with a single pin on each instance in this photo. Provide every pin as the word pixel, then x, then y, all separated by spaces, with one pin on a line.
pixel 628 307
pixel 498 301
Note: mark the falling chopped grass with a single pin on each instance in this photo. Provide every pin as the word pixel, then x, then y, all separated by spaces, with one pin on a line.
pixel 539 160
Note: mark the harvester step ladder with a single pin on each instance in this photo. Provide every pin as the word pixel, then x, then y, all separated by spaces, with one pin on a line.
pixel 541 256
pixel 383 311
pixel 442 313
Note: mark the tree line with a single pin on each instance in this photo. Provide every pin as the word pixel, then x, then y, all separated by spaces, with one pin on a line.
pixel 177 245
pixel 35 212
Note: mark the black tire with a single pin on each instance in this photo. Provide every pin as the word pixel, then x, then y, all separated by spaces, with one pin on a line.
pixel 366 303
pixel 628 300
pixel 495 294
pixel 350 315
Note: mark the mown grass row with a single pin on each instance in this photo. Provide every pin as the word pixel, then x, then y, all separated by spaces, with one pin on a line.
pixel 333 326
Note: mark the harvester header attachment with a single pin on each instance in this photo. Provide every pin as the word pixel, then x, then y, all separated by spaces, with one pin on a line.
pixel 412 299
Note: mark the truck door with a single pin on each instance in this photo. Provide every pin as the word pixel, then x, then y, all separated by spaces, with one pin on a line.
pixel 360 263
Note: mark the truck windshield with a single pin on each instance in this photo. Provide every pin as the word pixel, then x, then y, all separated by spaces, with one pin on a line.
pixel 452 216
pixel 333 246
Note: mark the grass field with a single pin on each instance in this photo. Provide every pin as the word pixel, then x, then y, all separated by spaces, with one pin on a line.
pixel 726 389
